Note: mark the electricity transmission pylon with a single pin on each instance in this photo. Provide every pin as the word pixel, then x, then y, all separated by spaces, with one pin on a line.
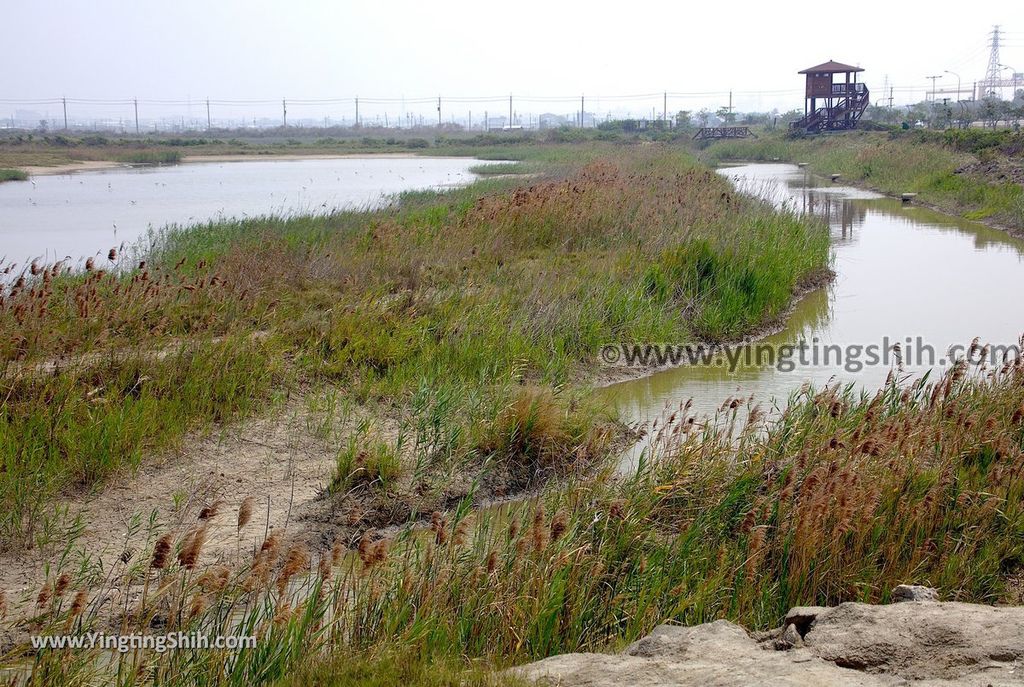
pixel 992 80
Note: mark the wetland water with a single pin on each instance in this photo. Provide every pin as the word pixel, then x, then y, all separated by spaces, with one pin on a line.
pixel 901 271
pixel 87 213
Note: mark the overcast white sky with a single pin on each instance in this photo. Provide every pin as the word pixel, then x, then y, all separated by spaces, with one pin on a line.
pixel 314 49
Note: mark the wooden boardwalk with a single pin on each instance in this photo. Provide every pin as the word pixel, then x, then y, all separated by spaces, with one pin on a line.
pixel 710 133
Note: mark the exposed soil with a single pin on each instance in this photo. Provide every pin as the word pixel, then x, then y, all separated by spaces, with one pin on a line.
pixel 1000 169
pixel 94 165
pixel 274 459
pixel 68 168
pixel 280 462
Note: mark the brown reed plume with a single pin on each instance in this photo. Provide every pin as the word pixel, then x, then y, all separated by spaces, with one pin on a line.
pixel 558 525
pixel 210 512
pixel 537 532
pixel 270 545
pixel 215 579
pixel 197 606
pixel 61 586
pixel 245 512
pixel 439 527
pixel 161 550
pixel 79 603
pixel 188 556
pixel 44 595
pixel 296 561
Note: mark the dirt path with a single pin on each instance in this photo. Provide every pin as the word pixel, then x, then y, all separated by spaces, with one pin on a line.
pixel 276 459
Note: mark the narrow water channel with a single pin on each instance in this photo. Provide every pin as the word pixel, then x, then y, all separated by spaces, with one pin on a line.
pixel 903 274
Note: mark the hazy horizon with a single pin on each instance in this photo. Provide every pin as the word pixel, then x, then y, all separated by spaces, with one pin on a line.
pixel 546 54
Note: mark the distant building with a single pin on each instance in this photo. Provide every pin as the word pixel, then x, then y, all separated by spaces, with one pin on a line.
pixel 551 121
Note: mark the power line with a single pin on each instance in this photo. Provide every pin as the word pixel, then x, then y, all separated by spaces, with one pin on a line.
pixel 72 107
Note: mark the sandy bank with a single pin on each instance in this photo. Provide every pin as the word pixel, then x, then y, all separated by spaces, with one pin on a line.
pixel 68 168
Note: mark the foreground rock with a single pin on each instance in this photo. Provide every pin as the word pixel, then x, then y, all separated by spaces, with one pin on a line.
pixel 914 642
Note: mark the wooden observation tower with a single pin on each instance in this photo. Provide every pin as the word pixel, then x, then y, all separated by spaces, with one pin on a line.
pixel 832 104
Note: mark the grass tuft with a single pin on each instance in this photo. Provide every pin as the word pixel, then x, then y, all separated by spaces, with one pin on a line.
pixel 13 175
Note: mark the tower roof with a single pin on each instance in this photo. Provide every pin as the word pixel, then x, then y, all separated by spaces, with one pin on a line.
pixel 830 67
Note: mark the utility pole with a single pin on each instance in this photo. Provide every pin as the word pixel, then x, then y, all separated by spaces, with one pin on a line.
pixel 510 112
pixel 357 110
pixel 439 112
pixel 136 102
pixel 209 122
pixel 957 83
pixel 65 101
pixel 934 79
pixel 891 88
pixel 487 122
pixel 581 111
pixel 1013 81
pixel 664 107
pixel 284 112
pixel 470 127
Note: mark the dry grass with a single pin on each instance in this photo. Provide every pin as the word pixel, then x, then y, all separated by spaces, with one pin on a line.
pixel 838 499
pixel 472 315
pixel 411 305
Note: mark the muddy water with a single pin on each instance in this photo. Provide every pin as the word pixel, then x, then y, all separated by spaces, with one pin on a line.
pixel 87 213
pixel 904 274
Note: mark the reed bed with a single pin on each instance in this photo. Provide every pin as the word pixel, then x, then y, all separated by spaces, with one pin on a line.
pixel 442 304
pixel 839 498
pixel 151 157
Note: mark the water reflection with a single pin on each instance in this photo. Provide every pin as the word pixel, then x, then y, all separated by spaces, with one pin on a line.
pixel 903 272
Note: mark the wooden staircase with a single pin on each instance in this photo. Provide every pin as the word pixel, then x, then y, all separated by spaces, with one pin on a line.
pixel 853 100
